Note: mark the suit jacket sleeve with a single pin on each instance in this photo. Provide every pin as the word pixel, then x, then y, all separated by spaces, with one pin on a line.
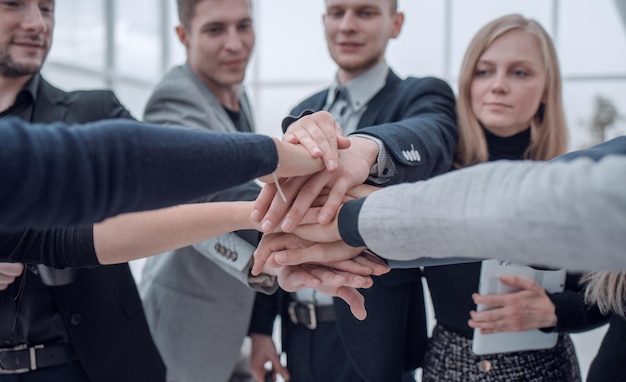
pixel 423 138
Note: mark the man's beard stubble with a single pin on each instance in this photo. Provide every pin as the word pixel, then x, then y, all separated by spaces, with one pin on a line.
pixel 11 69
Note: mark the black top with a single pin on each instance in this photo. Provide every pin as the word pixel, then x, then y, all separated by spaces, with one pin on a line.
pixel 509 148
pixel 608 365
pixel 239 120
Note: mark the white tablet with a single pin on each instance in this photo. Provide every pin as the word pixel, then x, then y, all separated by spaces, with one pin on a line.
pixel 551 280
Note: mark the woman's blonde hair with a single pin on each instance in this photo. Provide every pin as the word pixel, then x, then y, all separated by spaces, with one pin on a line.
pixel 607 290
pixel 548 128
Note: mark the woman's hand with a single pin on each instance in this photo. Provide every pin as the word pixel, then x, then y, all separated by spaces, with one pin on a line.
pixel 528 308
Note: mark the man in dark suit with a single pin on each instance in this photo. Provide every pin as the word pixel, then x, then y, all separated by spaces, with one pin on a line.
pixel 404 130
pixel 62 324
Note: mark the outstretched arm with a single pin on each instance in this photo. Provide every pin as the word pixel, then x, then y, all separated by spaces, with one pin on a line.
pixel 553 213
pixel 141 234
pixel 60 175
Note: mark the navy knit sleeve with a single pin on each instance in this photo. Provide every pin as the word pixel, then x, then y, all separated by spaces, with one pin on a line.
pixel 56 247
pixel 54 175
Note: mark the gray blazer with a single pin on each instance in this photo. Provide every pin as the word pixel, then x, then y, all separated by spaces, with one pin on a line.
pixel 198 313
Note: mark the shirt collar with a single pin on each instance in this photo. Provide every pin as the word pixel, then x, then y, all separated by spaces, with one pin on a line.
pixel 361 89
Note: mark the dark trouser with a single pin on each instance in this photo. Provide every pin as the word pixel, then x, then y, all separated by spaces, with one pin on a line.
pixel 72 372
pixel 319 355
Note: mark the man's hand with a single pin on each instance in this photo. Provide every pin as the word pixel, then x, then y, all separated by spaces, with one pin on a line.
pixel 340 278
pixel 8 273
pixel 279 249
pixel 302 192
pixel 263 351
pixel 527 309
pixel 361 191
pixel 330 281
pixel 320 134
pixel 310 229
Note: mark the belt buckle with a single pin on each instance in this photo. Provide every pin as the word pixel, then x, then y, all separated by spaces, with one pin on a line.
pixel 311 319
pixel 33 358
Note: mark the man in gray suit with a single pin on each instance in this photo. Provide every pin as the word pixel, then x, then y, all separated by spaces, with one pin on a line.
pixel 198 312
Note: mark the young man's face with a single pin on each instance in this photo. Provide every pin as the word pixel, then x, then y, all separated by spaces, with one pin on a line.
pixel 25 36
pixel 357 31
pixel 219 41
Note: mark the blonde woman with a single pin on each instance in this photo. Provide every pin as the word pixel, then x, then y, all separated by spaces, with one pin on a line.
pixel 509 107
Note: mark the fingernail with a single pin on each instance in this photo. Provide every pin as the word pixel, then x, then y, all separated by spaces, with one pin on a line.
pixel 280 257
pixel 256 215
pixel 287 225
pixel 332 164
pixel 324 217
pixel 266 226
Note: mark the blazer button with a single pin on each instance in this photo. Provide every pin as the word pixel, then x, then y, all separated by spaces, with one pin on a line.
pixel 235 256
pixel 484 366
pixel 219 248
pixel 75 319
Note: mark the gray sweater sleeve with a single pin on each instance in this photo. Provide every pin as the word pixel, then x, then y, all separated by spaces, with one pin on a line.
pixel 564 214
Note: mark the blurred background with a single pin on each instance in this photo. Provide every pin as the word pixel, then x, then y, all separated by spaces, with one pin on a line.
pixel 128 45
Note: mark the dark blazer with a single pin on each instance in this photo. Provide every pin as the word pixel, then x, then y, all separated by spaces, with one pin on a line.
pixel 411 114
pixel 101 309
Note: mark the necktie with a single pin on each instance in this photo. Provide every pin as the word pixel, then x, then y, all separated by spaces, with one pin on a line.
pixel 339 108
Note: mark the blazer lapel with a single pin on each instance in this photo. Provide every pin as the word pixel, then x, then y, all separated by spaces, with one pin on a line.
pixel 50 104
pixel 377 104
pixel 320 101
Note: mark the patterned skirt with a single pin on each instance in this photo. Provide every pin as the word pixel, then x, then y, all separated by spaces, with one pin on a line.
pixel 450 358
